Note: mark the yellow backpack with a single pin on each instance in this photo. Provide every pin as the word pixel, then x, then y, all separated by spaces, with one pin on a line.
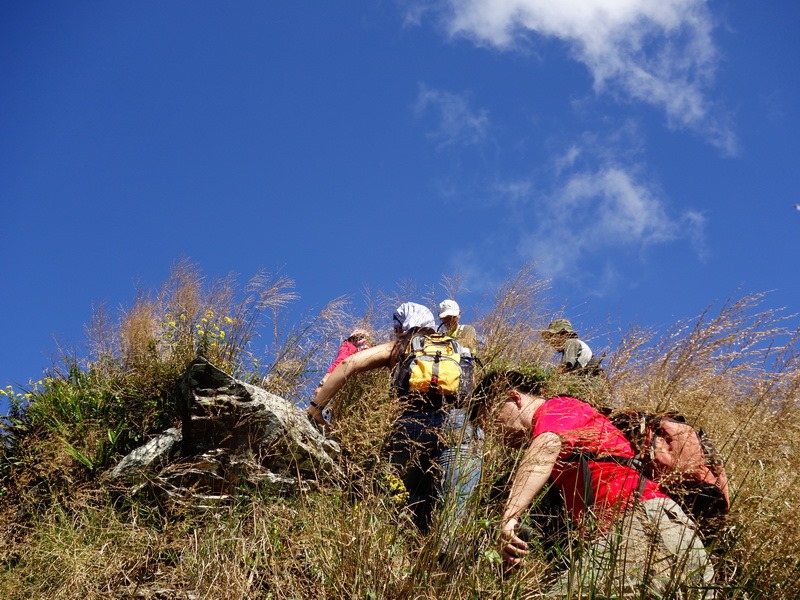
pixel 432 364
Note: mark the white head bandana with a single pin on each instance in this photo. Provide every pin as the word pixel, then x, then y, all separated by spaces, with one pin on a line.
pixel 411 314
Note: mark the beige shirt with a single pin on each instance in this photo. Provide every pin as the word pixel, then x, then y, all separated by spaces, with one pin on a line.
pixel 467 337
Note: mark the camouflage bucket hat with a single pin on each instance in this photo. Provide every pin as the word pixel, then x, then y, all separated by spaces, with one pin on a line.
pixel 559 326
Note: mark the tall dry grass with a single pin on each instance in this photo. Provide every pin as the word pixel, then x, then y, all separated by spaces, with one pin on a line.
pixel 735 372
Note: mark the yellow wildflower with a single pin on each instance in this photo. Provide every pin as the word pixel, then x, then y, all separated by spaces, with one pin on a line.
pixel 396 488
pixel 228 320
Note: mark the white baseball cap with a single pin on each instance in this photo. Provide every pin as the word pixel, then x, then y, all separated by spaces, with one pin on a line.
pixel 449 308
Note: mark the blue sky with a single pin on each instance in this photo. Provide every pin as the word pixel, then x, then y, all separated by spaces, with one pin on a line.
pixel 645 154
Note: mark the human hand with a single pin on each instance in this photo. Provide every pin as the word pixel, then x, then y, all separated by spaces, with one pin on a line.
pixel 315 415
pixel 514 548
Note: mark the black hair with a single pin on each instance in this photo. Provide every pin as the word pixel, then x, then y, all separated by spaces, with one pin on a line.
pixel 498 383
pixel 401 343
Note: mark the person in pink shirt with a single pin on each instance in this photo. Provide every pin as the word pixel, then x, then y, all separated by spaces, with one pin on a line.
pixel 359 339
pixel 612 505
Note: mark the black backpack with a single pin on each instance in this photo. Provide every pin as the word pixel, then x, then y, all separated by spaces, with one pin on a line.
pixel 593 367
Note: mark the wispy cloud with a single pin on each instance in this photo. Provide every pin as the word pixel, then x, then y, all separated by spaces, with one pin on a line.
pixel 657 52
pixel 568 158
pixel 598 211
pixel 591 226
pixel 694 227
pixel 513 192
pixel 457 122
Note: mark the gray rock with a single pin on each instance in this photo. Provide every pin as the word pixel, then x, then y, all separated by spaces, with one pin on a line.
pixel 154 454
pixel 232 434
pixel 221 412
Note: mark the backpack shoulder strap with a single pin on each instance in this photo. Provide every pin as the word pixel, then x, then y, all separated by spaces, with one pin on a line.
pixel 416 344
pixel 584 458
pixel 633 462
pixel 636 462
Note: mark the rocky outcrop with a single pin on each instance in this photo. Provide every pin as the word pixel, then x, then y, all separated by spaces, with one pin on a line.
pixel 233 434
pixel 154 454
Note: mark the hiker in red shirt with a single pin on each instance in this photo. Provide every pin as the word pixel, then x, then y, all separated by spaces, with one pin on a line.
pixel 603 498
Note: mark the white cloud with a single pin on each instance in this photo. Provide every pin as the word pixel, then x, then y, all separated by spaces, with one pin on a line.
pixel 568 159
pixel 415 10
pixel 659 52
pixel 695 227
pixel 601 212
pixel 513 192
pixel 458 123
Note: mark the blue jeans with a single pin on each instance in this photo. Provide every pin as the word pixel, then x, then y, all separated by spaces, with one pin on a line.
pixel 438 454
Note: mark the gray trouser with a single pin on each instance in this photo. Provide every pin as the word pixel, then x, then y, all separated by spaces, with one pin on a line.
pixel 653 551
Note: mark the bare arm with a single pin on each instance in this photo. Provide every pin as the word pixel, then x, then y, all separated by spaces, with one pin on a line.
pixel 366 360
pixel 529 479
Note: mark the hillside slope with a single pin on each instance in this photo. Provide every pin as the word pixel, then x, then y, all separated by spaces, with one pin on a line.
pixel 68 533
